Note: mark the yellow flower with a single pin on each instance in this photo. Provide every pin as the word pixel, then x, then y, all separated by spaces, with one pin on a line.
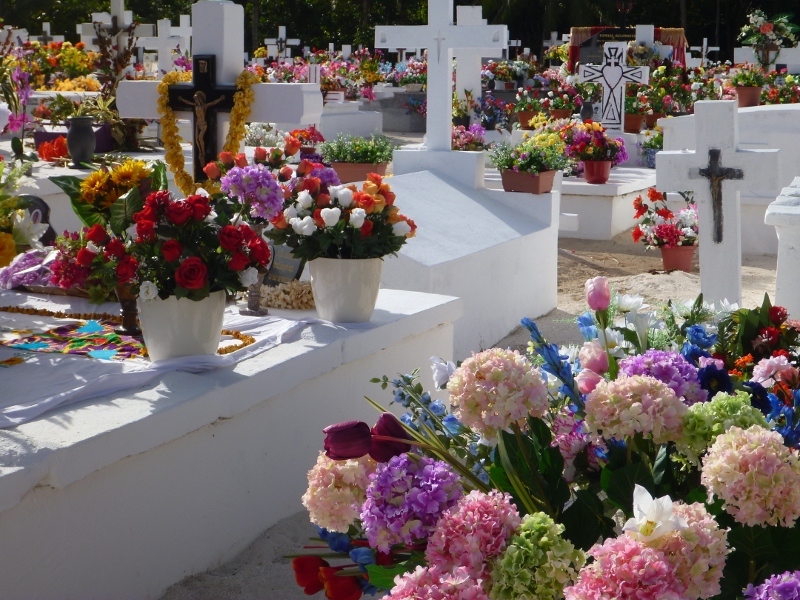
pixel 8 249
pixel 130 173
pixel 96 187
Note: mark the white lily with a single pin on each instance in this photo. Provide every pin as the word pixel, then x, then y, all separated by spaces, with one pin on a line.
pixel 627 303
pixel 27 232
pixel 652 517
pixel 442 371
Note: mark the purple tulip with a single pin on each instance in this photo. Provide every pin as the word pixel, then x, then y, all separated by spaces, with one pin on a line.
pixel 350 439
pixel 388 426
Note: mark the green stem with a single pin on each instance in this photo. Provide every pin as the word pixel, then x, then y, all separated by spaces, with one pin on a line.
pixel 751 574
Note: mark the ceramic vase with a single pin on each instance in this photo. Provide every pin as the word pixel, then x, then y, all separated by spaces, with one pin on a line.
pixel 678 258
pixel 524 117
pixel 80 140
pixel 650 157
pixel 345 290
pixel 597 171
pixel 172 328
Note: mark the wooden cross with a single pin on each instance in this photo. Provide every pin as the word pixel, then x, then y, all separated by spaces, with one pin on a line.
pixel 279 47
pixel 716 174
pixel 613 74
pixel 704 50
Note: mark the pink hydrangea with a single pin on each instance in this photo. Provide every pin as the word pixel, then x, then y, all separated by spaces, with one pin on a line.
pixel 495 388
pixel 638 404
pixel 756 476
pixel 626 569
pixel 473 532
pixel 772 369
pixel 336 491
pixel 570 438
pixel 435 583
pixel 698 552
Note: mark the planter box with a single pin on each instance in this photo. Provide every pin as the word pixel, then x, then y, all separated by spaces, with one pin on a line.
pixel 352 172
pixel 515 181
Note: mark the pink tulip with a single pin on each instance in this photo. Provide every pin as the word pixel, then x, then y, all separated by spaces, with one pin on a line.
pixel 587 380
pixel 598 294
pixel 593 357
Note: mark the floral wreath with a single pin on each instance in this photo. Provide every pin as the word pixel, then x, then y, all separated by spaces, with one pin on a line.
pixel 242 103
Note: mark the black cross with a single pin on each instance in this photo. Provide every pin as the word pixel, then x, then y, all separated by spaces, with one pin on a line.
pixel 716 174
pixel 205 99
pixel 44 39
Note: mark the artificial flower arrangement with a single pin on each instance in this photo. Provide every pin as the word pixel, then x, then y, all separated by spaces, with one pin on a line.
pixel 565 92
pixel 59 65
pixel 17 228
pixel 462 107
pixel 53 150
pixel 653 139
pixel 345 148
pixel 668 90
pixel 782 88
pixel 411 72
pixel 766 34
pixel 557 53
pixel 542 150
pixel 492 112
pixel 498 71
pixel 468 138
pixel 657 460
pixel 309 136
pixel 322 219
pixel 527 99
pixel 660 227
pixel 640 54
pixel 588 141
pixel 636 100
pixel 748 75
pixel 264 135
pixel 416 106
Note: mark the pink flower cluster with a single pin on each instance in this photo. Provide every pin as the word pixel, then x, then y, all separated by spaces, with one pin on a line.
pixel 638 404
pixel 571 439
pixel 698 552
pixel 755 475
pixel 336 490
pixel 495 388
pixel 626 569
pixel 773 369
pixel 436 583
pixel 472 533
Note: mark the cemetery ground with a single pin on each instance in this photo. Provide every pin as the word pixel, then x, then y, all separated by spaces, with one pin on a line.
pixel 261 571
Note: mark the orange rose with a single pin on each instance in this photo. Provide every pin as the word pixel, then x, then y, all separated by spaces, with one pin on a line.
pixel 318 218
pixel 279 221
pixel 365 201
pixel 260 154
pixel 375 178
pixel 226 158
pixel 212 170
pixel 394 216
pixel 240 160
pixel 369 188
pixel 323 200
pixel 311 185
pixel 80 45
pixel 292 145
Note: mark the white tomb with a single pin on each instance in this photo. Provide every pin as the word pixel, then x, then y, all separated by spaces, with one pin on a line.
pixel 784 215
pixel 785 56
pixel 775 126
pixel 126 494
pixel 716 172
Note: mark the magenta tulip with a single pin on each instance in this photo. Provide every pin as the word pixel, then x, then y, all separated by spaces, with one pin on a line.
pixel 592 356
pixel 388 426
pixel 598 294
pixel 350 439
pixel 587 380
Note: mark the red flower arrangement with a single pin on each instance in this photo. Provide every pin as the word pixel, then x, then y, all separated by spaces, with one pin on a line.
pixel 53 150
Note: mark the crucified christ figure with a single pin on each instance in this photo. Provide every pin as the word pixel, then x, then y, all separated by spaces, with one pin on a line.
pixel 200 123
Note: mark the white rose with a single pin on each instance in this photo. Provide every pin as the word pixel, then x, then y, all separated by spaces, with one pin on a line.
pixel 304 226
pixel 304 199
pixel 357 216
pixel 290 213
pixel 330 216
pixel 401 228
pixel 248 277
pixel 345 197
pixel 148 290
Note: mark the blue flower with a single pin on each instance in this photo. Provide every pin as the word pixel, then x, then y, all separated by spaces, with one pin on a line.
pixel 587 326
pixel 758 396
pixel 480 472
pixel 362 557
pixel 714 380
pixel 425 398
pixel 697 335
pixel 452 424
pixel 438 408
pixel 367 587
pixel 408 419
pixel 531 326
pixel 338 542
pixel 693 353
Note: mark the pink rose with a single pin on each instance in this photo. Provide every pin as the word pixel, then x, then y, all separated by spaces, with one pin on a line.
pixel 598 294
pixel 593 357
pixel 587 380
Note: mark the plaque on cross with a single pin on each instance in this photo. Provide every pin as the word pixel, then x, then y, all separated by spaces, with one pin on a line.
pixel 716 174
pixel 613 74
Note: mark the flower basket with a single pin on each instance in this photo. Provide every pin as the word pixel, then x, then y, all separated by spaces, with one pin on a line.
pixel 748 95
pixel 524 117
pixel 345 290
pixel 677 258
pixel 651 120
pixel 633 123
pixel 597 171
pixel 351 172
pixel 518 181
pixel 173 327
pixel 561 113
pixel 508 85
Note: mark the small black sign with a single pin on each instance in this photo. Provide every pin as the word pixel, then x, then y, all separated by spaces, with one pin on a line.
pixel 591 51
pixel 284 267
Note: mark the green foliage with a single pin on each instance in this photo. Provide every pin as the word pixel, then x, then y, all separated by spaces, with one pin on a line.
pixel 345 148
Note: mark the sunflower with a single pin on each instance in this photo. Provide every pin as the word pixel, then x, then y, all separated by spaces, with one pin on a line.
pixel 129 174
pixel 8 249
pixel 96 187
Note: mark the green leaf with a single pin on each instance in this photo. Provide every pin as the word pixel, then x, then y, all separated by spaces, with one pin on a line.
pixel 181 292
pixel 755 542
pixel 70 184
pixel 87 213
pixel 619 483
pixel 159 177
pixel 584 521
pixel 698 494
pixel 16 146
pixel 383 577
pixel 123 209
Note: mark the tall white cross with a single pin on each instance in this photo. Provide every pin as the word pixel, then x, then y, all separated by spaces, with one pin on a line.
pixel 716 173
pixel 11 35
pixel 46 38
pixel 441 37
pixel 219 31
pixel 704 50
pixel 279 47
pixel 184 30
pixel 553 41
pixel 469 60
pixel 163 44
pixel 613 75
pixel 123 20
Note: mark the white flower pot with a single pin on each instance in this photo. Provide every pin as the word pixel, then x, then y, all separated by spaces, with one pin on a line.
pixel 345 290
pixel 173 328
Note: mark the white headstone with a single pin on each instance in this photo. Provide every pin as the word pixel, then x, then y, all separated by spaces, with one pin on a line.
pixel 184 30
pixel 784 214
pixel 716 173
pixel 613 74
pixel 11 35
pixel 704 50
pixel 280 47
pixel 46 38
pixel 441 38
pixel 163 44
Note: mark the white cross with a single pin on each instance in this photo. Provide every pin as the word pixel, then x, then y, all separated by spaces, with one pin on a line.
pixel 443 37
pixel 184 30
pixel 720 226
pixel 613 75
pixel 553 41
pixel 279 47
pixel 513 44
pixel 164 44
pixel 704 50
pixel 469 60
pixel 346 51
pixel 124 19
pixel 219 30
pixel 46 38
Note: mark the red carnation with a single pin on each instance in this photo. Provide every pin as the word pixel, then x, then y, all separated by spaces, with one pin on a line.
pixel 238 261
pixel 191 274
pixel 230 238
pixel 171 250
pixel 97 234
pixel 179 212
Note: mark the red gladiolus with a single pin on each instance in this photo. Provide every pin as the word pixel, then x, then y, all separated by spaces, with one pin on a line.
pixel 97 234
pixel 339 588
pixel 388 426
pixel 349 439
pixel 307 575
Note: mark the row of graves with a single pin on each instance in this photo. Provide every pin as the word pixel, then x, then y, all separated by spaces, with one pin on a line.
pixel 159 470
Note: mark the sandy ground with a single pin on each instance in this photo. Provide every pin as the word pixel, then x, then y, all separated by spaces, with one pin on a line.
pixel 261 573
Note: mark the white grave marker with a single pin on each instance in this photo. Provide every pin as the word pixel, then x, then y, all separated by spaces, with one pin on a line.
pixel 613 75
pixel 163 44
pixel 704 50
pixel 279 47
pixel 468 60
pixel 11 36
pixel 716 173
pixel 184 30
pixel 441 38
pixel 46 38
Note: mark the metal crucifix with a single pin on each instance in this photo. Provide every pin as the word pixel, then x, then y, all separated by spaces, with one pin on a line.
pixel 716 174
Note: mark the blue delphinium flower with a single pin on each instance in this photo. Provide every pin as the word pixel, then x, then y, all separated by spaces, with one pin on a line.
pixel 587 326
pixel 438 408
pixel 554 363
pixel 452 424
pixel 362 557
pixel 698 336
pixel 367 587
pixel 408 419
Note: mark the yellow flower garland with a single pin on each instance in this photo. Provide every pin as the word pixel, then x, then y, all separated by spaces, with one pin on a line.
pixel 242 104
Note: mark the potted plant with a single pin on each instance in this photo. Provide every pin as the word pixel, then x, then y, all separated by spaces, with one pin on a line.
pixel 564 97
pixel 491 112
pixel 589 143
pixel 636 108
pixel 462 108
pixel 344 232
pixel 526 106
pixel 666 93
pixel 749 82
pixel 309 138
pixel 353 157
pixel 468 139
pixel 413 82
pixel 652 144
pixel 501 74
pixel 674 234
pixel 531 165
pixel 768 35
